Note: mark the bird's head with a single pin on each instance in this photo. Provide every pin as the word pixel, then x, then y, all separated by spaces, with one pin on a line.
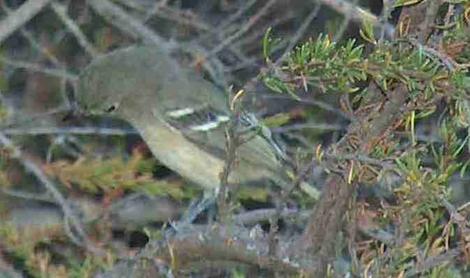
pixel 114 82
pixel 94 94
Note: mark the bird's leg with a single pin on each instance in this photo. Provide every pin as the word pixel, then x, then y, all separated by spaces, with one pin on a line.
pixel 197 207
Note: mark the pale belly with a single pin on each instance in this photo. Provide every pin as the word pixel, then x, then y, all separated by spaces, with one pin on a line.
pixel 191 162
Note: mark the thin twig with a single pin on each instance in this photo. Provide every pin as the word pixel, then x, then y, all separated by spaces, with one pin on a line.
pixel 434 261
pixel 318 103
pixel 34 43
pixel 299 179
pixel 38 68
pixel 68 130
pixel 259 215
pixel 346 21
pixel 44 50
pixel 300 32
pixel 432 53
pixel 246 6
pixel 307 126
pixel 181 18
pixel 30 119
pixel 357 14
pixel 126 23
pixel 31 166
pixel 20 16
pixel 233 141
pixel 26 195
pixel 243 29
pixel 250 42
pixel 61 12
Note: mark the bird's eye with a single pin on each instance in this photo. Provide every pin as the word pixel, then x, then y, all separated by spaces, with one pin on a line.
pixel 111 108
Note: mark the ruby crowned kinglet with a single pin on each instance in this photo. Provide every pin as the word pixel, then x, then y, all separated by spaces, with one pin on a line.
pixel 181 116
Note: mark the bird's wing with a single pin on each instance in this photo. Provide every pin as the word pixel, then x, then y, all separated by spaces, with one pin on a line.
pixel 204 121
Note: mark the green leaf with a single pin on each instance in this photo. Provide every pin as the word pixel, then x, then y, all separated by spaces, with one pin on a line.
pixel 268 44
pixel 367 32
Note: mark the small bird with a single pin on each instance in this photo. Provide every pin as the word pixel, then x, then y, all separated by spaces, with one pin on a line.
pixel 181 116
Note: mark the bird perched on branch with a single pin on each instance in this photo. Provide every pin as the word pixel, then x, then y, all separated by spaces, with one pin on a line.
pixel 181 116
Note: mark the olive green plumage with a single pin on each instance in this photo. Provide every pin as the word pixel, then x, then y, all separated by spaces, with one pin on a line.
pixel 180 115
